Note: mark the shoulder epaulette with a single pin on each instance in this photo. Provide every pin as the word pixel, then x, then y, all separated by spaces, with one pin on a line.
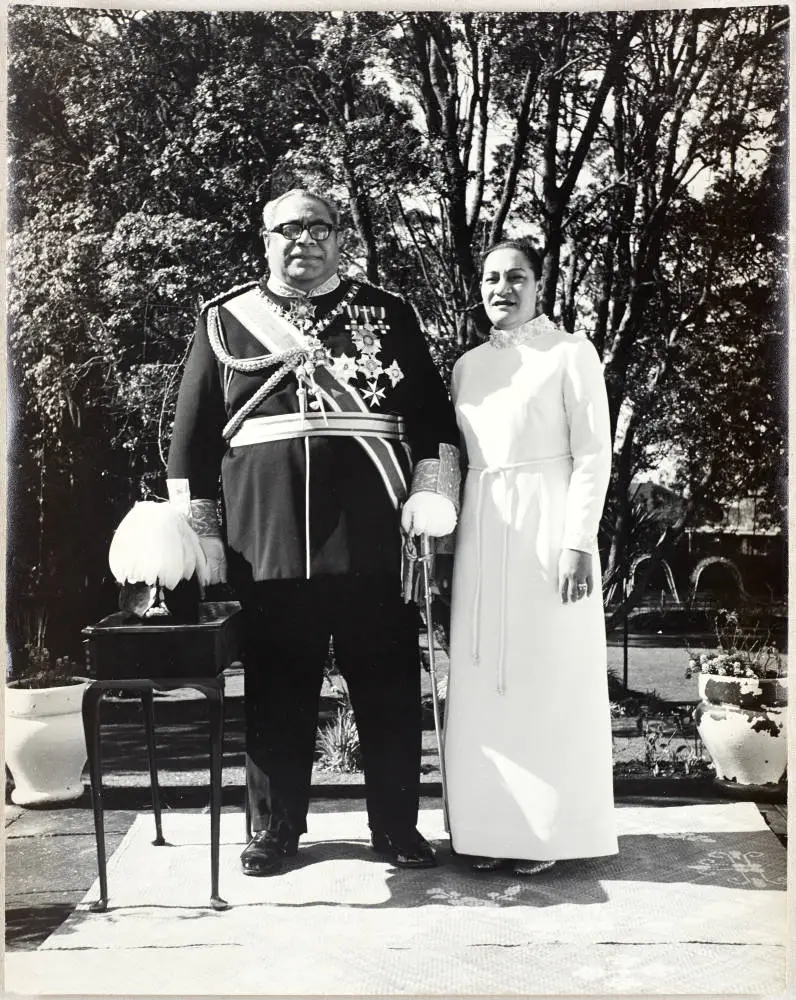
pixel 229 294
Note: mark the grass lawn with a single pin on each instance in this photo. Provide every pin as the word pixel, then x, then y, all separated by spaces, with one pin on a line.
pixel 657 668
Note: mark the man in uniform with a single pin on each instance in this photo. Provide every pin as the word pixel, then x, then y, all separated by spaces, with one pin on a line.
pixel 317 401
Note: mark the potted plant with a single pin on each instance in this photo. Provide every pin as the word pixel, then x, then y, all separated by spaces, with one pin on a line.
pixel 44 741
pixel 742 714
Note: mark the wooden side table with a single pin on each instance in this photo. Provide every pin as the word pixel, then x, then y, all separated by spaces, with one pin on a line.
pixel 144 655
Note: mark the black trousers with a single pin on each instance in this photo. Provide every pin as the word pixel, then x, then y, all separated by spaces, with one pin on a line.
pixel 288 625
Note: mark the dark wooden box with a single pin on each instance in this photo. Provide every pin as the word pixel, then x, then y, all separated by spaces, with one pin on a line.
pixel 122 646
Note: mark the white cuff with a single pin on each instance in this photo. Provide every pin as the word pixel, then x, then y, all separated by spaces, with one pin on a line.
pixel 581 543
pixel 179 491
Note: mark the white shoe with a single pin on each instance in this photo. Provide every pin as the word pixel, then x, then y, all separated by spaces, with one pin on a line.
pixel 531 867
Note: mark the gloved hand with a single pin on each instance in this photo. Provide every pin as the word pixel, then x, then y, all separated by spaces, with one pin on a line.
pixel 216 570
pixel 427 513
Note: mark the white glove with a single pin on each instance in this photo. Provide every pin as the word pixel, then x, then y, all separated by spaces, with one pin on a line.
pixel 213 549
pixel 427 513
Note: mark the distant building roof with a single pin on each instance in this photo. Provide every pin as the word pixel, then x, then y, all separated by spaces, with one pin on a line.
pixel 740 517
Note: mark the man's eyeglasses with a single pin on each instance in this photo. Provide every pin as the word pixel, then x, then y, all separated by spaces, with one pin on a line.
pixel 318 231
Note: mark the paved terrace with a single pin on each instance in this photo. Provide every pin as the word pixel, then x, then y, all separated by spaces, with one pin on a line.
pixel 694 903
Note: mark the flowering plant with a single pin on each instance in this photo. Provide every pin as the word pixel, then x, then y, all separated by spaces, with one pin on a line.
pixel 36 667
pixel 739 652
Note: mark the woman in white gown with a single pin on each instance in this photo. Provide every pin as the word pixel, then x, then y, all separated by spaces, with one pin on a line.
pixel 527 726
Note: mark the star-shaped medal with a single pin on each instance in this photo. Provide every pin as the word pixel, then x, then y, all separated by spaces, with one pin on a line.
pixel 366 340
pixel 301 313
pixel 394 372
pixel 344 367
pixel 370 366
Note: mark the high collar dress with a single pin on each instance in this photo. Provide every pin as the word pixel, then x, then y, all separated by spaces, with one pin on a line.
pixel 527 721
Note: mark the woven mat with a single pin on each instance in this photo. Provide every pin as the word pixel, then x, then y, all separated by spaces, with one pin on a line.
pixel 693 903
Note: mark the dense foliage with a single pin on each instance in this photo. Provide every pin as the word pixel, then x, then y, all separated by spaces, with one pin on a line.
pixel 646 151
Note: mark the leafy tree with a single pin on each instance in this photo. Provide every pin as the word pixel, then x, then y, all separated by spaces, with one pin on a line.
pixel 695 109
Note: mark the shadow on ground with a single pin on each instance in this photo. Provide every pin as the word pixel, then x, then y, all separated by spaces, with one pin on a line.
pixel 28 926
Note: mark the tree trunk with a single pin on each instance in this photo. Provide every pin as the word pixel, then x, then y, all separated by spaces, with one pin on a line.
pixel 552 260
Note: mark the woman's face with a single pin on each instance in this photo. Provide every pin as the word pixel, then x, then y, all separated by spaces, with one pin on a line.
pixel 508 288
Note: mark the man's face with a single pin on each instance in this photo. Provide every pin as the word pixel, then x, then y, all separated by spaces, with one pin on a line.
pixel 303 262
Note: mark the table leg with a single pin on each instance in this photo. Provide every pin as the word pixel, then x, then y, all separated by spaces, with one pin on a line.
pixel 148 704
pixel 215 697
pixel 91 702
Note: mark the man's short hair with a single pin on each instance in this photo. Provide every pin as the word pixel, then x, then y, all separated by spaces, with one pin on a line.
pixel 269 209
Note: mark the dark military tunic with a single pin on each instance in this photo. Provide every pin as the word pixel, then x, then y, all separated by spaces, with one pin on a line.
pixel 272 498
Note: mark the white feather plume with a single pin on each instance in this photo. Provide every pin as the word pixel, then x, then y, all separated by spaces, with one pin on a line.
pixel 155 544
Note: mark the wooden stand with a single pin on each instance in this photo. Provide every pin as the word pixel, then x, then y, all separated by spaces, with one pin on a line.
pixel 144 655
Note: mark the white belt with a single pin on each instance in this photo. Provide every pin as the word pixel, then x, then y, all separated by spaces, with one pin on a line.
pixel 498 470
pixel 257 430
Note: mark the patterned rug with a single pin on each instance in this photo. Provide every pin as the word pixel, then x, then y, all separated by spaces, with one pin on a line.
pixel 693 903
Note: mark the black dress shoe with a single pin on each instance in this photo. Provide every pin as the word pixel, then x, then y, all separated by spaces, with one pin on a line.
pixel 264 853
pixel 406 850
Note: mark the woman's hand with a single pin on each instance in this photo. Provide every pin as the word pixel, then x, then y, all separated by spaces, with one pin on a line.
pixel 575 580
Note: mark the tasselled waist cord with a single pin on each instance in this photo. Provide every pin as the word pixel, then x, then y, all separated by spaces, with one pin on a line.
pixel 305 381
pixel 484 471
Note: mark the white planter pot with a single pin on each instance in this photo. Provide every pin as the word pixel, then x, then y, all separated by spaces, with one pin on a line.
pixel 743 724
pixel 44 742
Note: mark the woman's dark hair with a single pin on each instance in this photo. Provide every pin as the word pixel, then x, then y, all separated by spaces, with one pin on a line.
pixel 526 248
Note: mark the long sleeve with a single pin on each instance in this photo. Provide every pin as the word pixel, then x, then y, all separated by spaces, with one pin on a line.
pixel 455 381
pixel 447 543
pixel 196 441
pixel 586 405
pixel 429 415
pixel 430 419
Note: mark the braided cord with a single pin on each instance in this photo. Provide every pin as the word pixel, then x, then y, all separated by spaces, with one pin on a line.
pixel 285 363
pixel 288 361
pixel 260 395
pixel 258 364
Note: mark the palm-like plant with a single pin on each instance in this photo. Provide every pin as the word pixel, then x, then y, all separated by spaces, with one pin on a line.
pixel 337 744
